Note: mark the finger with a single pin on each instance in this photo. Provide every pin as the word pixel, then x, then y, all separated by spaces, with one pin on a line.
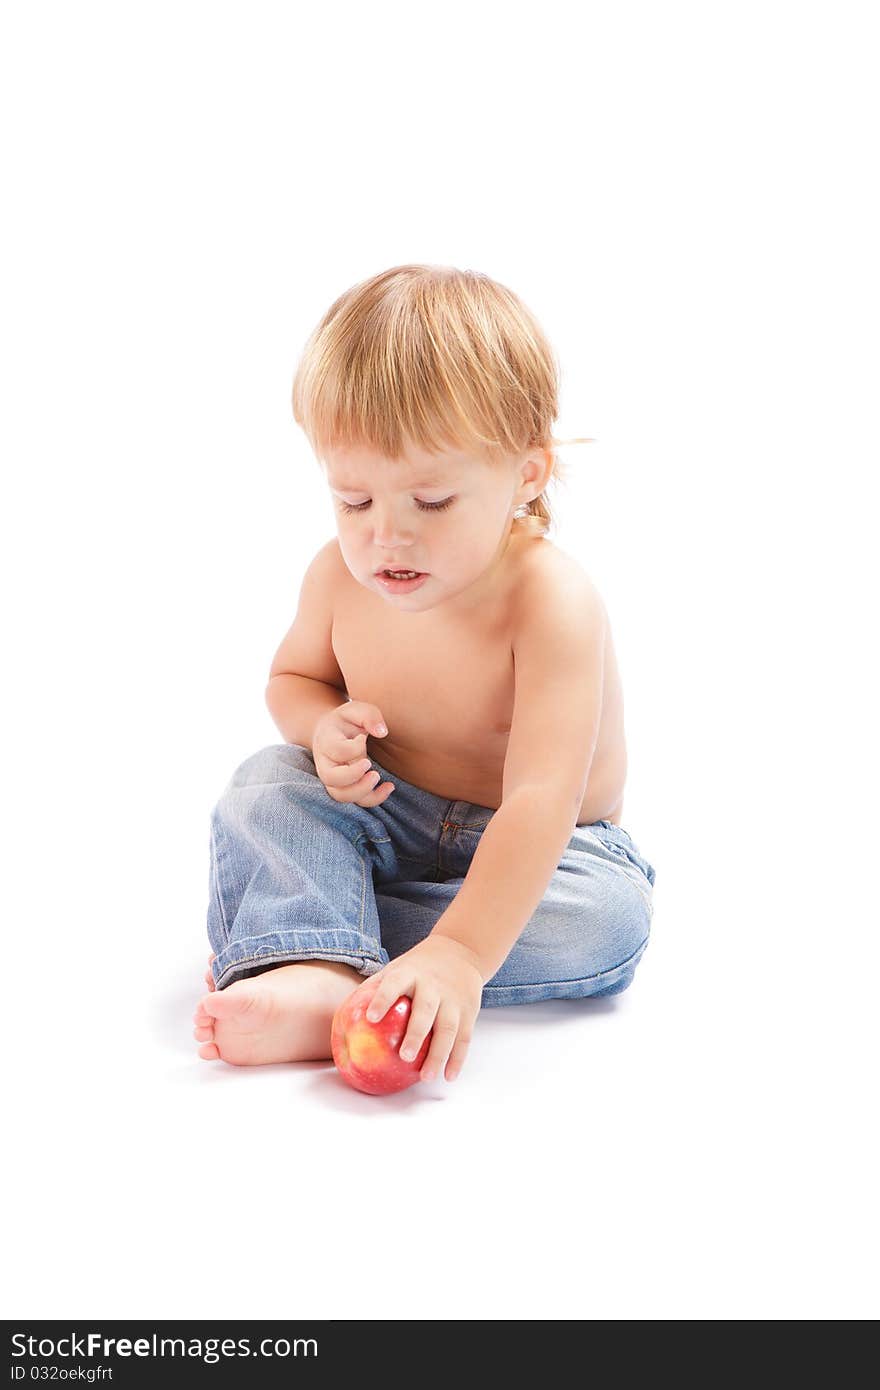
pixel 380 794
pixel 362 786
pixel 349 742
pixel 367 719
pixel 445 1033
pixel 421 1021
pixel 347 774
pixel 352 796
pixel 457 1056
pixel 352 747
pixel 387 993
pixel 351 785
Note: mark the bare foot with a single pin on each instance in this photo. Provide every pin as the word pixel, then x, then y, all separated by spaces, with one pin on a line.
pixel 283 1015
pixel 209 978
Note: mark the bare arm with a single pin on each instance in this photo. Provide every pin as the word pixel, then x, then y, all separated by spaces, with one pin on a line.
pixel 558 675
pixel 305 680
pixel 517 856
pixel 296 703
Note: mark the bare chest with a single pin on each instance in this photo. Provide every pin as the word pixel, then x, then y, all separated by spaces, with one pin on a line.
pixel 445 690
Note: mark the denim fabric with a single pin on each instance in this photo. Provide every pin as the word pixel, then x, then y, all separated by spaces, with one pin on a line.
pixel 296 875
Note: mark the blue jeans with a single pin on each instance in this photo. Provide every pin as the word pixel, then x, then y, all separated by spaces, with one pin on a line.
pixel 296 875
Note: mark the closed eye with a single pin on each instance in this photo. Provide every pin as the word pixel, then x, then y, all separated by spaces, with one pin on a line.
pixel 422 506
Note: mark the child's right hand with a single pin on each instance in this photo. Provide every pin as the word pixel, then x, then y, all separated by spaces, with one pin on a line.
pixel 339 745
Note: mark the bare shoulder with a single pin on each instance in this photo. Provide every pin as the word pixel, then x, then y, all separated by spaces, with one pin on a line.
pixel 333 571
pixel 552 582
pixel 307 647
pixel 330 557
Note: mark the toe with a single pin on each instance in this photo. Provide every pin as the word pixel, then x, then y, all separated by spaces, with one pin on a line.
pixel 203 1034
pixel 244 1000
pixel 210 1051
pixel 209 980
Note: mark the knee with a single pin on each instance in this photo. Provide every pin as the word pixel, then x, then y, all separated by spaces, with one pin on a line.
pixel 622 925
pixel 261 778
pixel 583 941
pixel 278 762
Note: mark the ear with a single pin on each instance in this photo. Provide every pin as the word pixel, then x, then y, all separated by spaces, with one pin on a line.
pixel 535 471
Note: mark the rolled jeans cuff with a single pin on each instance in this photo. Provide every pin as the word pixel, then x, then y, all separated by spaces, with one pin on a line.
pixel 256 953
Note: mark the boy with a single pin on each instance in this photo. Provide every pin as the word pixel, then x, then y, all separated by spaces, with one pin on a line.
pixel 489 866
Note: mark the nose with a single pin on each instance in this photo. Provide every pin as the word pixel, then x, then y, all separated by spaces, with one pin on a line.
pixel 388 534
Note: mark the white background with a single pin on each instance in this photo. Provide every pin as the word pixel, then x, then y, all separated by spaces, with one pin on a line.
pixel 686 196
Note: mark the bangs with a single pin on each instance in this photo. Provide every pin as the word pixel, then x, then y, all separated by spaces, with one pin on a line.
pixel 430 357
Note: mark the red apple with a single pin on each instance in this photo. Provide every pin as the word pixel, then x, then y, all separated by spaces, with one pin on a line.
pixel 367 1054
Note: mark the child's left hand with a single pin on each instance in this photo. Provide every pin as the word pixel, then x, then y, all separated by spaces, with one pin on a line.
pixel 443 980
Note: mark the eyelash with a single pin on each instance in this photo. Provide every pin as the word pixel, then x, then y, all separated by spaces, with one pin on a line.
pixel 422 506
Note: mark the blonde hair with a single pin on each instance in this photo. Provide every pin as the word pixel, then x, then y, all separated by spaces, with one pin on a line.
pixel 432 356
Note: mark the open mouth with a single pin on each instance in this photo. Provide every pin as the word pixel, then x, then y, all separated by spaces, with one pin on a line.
pixel 400 581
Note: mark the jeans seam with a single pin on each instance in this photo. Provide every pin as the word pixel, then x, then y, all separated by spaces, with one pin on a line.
pixel 357 845
pixel 217 894
pixel 628 859
pixel 437 866
pixel 363 893
pixel 419 864
pixel 453 825
pixel 646 896
pixel 633 853
pixel 575 980
pixel 284 958
pixel 373 840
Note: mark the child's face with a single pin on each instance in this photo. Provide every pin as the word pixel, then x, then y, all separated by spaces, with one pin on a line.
pixel 398 524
